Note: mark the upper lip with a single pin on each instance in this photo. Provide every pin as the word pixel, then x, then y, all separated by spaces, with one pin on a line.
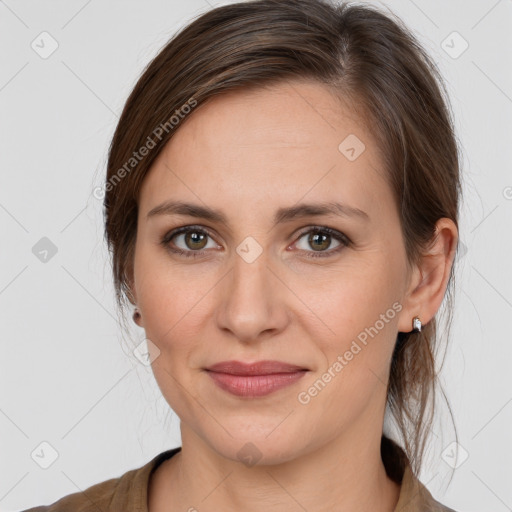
pixel 256 368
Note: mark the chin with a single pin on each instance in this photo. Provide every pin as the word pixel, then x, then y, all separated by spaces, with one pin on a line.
pixel 262 443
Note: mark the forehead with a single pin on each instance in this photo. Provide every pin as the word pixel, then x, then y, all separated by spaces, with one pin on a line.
pixel 295 115
pixel 283 142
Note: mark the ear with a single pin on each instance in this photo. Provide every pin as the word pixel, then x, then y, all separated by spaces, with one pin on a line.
pixel 132 296
pixel 429 278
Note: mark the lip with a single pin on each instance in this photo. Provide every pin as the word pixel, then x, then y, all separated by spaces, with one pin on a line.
pixel 257 368
pixel 254 379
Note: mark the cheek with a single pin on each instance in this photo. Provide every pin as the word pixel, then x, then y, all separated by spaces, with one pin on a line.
pixel 361 307
pixel 363 315
pixel 352 298
pixel 170 293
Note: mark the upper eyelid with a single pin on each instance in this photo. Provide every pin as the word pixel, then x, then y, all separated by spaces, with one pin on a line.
pixel 332 231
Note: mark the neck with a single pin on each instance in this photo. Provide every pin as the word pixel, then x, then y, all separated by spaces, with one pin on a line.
pixel 345 474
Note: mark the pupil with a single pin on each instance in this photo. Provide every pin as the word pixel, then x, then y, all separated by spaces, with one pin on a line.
pixel 196 238
pixel 315 239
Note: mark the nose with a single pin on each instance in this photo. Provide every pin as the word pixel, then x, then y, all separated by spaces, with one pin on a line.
pixel 252 305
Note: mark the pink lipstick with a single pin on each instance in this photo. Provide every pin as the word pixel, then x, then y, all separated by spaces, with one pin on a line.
pixel 254 379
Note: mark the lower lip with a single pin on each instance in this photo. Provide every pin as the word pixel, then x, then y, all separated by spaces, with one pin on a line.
pixel 254 385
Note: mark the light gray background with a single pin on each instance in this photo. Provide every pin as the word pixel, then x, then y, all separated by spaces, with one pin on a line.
pixel 68 379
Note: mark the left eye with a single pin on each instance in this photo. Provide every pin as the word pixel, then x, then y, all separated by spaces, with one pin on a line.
pixel 194 239
pixel 321 239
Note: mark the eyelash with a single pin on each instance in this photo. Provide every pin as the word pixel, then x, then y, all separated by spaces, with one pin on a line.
pixel 340 237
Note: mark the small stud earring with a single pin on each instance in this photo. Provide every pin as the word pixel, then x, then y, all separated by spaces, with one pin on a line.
pixel 136 315
pixel 416 324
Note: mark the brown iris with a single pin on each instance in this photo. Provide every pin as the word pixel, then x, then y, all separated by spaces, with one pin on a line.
pixel 315 238
pixel 195 239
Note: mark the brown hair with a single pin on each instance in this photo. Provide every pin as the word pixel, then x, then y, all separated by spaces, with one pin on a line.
pixel 371 61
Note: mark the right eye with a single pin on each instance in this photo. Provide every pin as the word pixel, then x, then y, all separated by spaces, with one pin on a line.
pixel 193 240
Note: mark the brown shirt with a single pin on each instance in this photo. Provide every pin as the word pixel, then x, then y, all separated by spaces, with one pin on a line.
pixel 129 492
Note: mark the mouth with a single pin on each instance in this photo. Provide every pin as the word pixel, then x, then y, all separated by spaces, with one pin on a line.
pixel 257 368
pixel 254 379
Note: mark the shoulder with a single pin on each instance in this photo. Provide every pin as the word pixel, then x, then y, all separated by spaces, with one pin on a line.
pixel 95 497
pixel 122 494
pixel 416 497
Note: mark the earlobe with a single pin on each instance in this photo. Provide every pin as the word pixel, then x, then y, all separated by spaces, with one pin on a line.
pixel 137 316
pixel 411 302
pixel 430 278
pixel 416 324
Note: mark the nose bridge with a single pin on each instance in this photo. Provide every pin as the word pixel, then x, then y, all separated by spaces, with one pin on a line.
pixel 251 303
pixel 250 276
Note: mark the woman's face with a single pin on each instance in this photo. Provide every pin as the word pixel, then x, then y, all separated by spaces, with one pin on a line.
pixel 261 284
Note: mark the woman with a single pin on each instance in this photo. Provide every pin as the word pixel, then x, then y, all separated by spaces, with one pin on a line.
pixel 281 205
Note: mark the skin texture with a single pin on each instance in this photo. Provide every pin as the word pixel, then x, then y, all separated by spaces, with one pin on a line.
pixel 247 154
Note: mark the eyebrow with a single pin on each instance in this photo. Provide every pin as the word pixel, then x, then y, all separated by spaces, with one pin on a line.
pixel 284 214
